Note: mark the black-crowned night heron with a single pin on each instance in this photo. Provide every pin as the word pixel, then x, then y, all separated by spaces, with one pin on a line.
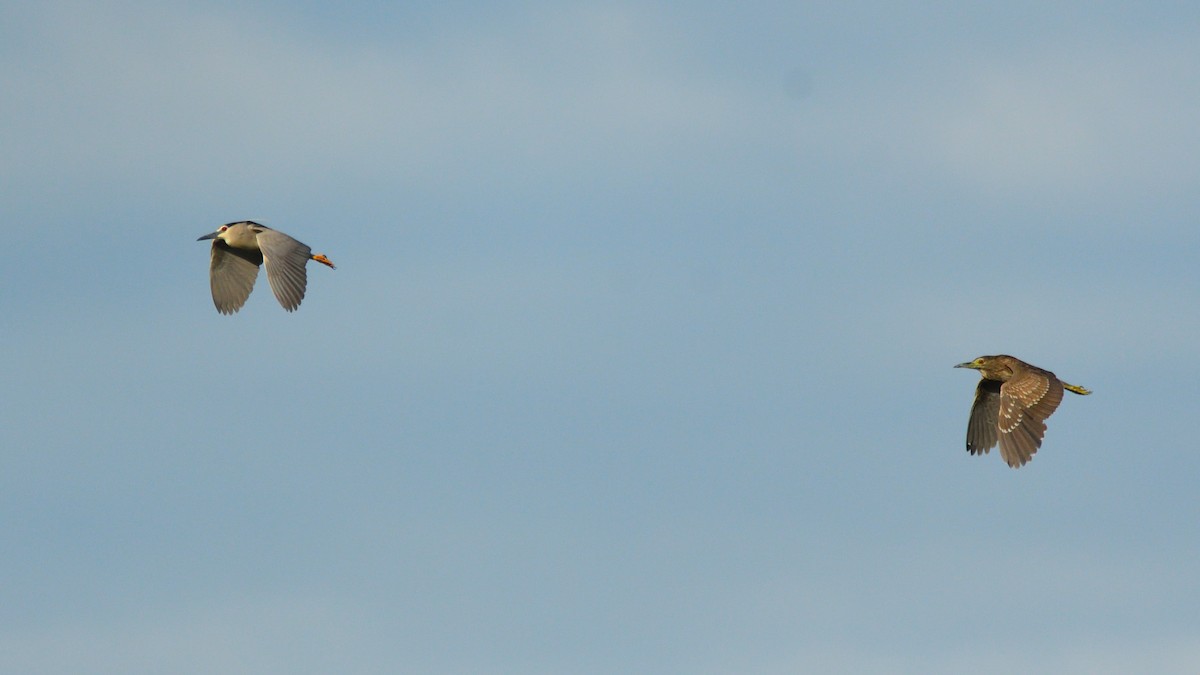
pixel 237 251
pixel 1012 403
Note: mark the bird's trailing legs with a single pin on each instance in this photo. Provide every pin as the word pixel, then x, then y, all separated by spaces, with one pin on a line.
pixel 1069 387
pixel 320 257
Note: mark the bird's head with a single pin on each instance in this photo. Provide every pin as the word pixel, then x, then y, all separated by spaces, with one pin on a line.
pixel 242 234
pixel 990 367
pixel 219 234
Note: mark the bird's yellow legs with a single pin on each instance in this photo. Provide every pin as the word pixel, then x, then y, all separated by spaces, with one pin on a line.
pixel 325 261
pixel 1076 388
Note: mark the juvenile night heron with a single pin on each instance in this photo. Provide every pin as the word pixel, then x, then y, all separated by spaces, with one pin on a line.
pixel 237 251
pixel 1012 403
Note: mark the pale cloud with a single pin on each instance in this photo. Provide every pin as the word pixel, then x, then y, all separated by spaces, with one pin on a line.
pixel 1120 325
pixel 1171 654
pixel 970 597
pixel 1063 119
pixel 1076 120
pixel 251 634
pixel 187 93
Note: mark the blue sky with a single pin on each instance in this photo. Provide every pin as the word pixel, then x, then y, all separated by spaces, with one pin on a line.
pixel 638 356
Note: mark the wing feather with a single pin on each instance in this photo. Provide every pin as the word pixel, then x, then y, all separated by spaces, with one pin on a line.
pixel 231 274
pixel 286 261
pixel 1026 400
pixel 981 427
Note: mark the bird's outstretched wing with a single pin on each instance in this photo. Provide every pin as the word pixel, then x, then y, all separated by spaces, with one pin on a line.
pixel 231 273
pixel 286 260
pixel 1026 401
pixel 981 428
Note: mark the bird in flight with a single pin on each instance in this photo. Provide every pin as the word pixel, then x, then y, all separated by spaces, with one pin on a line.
pixel 1012 401
pixel 238 249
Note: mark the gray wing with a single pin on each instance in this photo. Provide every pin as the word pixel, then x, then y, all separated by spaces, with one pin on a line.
pixel 285 259
pixel 981 428
pixel 1025 403
pixel 231 273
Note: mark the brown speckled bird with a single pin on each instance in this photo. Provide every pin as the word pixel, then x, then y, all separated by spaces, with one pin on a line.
pixel 1012 403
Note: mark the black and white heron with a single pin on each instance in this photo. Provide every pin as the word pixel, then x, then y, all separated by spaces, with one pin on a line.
pixel 237 251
